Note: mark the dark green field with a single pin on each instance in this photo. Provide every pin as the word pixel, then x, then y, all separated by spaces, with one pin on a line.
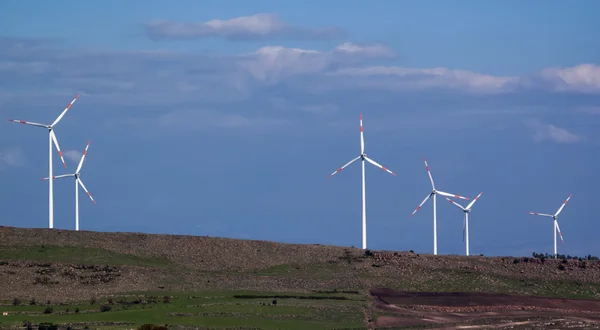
pixel 124 280
pixel 215 309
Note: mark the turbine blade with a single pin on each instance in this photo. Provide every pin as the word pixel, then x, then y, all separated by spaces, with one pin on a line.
pixel 423 202
pixel 341 168
pixel 474 200
pixel 65 111
pixel 28 123
pixel 378 165
pixel 59 176
pixel 86 191
pixel 559 233
pixel 541 214
pixel 455 203
pixel 563 205
pixel 82 157
pixel 362 138
pixel 451 195
pixel 57 147
pixel 429 173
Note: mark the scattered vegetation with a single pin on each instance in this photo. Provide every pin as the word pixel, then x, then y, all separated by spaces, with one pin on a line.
pixel 544 256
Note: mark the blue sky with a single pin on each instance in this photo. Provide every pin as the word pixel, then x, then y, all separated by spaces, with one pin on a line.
pixel 225 118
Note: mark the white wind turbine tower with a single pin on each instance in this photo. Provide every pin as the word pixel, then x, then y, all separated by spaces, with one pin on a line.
pixel 78 182
pixel 363 157
pixel 433 193
pixel 466 210
pixel 555 216
pixel 51 138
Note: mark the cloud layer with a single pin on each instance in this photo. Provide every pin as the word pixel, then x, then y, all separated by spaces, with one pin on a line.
pixel 163 77
pixel 258 26
pixel 265 87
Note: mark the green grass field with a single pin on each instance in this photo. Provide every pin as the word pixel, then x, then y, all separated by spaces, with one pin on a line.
pixel 209 309
pixel 50 253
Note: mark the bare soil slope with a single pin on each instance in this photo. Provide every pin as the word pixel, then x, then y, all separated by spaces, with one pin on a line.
pixel 67 265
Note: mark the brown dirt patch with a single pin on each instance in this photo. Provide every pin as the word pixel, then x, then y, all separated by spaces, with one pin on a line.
pixel 460 310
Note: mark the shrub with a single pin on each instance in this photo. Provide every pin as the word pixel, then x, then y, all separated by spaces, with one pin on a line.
pixel 92 301
pixel 32 302
pixel 563 257
pixel 47 326
pixel 48 310
pixel 16 301
pixel 77 310
pixel 167 299
pixel 368 253
pixel 105 308
pixel 110 301
pixel 561 267
pixel 152 327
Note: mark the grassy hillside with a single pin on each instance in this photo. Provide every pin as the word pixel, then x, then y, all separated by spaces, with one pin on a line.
pixel 206 279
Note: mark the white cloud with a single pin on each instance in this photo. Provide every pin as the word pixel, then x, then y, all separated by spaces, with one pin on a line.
pixel 411 78
pixel 200 120
pixel 203 119
pixel 548 132
pixel 11 157
pixel 73 155
pixel 271 63
pixel 372 50
pixel 581 78
pixel 158 79
pixel 261 25
pixel 284 104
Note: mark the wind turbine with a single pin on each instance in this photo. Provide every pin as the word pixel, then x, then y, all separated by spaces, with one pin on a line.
pixel 77 183
pixel 363 157
pixel 555 216
pixel 51 138
pixel 466 210
pixel 433 193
